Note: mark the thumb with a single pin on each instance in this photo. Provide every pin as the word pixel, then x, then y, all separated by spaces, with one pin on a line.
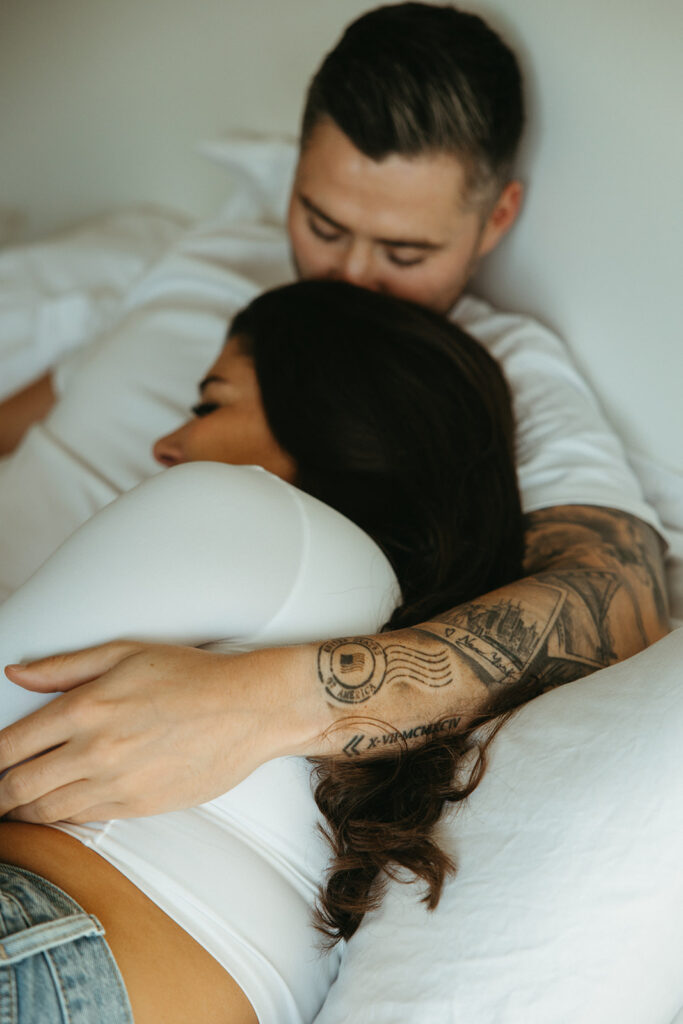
pixel 64 671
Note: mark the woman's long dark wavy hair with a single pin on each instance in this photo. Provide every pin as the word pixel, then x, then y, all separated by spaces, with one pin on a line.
pixel 402 422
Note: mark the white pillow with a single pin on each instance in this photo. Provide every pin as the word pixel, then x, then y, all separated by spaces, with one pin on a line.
pixel 567 907
pixel 262 168
pixel 133 384
pixel 663 489
pixel 58 293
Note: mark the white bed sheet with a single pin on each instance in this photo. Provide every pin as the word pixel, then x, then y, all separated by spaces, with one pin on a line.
pixel 567 907
pixel 58 293
pixel 545 762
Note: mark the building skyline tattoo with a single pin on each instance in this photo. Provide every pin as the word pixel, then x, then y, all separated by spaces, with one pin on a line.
pixel 502 624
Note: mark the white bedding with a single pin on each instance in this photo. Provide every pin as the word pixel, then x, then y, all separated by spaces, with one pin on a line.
pixel 59 293
pixel 568 903
pixel 72 288
pixel 166 331
pixel 567 906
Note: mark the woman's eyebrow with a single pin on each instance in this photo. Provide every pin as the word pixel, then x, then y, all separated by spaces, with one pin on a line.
pixel 211 379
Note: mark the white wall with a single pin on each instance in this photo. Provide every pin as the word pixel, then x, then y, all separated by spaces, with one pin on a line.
pixel 101 103
pixel 599 250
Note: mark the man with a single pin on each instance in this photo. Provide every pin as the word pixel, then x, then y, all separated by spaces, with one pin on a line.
pixel 403 184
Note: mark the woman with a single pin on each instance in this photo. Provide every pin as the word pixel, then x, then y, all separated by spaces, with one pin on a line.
pixel 387 437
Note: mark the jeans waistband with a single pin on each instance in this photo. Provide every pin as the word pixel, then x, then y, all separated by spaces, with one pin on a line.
pixel 41 937
pixel 55 964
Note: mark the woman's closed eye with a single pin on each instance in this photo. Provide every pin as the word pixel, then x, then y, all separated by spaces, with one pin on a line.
pixel 204 408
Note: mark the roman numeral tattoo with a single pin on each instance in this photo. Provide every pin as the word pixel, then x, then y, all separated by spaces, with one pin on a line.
pixel 360 743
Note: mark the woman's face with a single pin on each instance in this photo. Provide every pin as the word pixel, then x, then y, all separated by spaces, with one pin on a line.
pixel 229 425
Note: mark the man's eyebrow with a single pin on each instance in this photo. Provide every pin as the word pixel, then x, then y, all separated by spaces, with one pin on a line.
pixel 312 208
pixel 211 379
pixel 395 243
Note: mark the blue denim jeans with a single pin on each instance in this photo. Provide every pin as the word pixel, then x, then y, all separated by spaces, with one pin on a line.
pixel 55 964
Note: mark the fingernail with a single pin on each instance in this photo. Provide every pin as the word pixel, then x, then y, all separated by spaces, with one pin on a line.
pixel 16 668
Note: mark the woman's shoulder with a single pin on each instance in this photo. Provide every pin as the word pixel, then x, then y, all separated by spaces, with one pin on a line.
pixel 252 490
pixel 338 579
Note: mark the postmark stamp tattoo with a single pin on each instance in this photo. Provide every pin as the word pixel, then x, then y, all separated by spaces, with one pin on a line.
pixel 351 670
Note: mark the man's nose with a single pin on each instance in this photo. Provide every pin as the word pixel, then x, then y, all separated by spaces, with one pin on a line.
pixel 357 266
pixel 168 450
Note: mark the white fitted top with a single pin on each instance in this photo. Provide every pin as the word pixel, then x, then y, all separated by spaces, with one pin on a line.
pixel 200 552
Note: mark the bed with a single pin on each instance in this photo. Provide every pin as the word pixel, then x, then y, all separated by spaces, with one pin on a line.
pixel 567 905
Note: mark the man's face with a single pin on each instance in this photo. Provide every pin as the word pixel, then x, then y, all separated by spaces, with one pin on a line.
pixel 399 225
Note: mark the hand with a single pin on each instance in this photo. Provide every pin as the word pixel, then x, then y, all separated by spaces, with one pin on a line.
pixel 143 729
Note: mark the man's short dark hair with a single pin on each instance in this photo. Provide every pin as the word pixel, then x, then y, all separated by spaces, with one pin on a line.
pixel 415 78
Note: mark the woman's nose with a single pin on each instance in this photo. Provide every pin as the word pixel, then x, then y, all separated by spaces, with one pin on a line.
pixel 168 450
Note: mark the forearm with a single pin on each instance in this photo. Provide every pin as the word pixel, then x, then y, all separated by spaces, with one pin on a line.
pixel 595 595
pixel 149 728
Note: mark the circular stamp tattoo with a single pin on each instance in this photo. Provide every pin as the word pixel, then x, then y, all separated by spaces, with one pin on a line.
pixel 351 670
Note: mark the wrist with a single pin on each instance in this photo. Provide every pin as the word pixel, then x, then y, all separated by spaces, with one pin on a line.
pixel 286 701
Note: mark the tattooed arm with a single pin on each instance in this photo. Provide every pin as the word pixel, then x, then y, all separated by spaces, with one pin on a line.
pixel 594 595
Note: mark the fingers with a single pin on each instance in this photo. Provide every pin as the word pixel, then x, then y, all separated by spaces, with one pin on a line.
pixel 54 806
pixel 72 803
pixel 41 731
pixel 64 671
pixel 102 812
pixel 48 789
pixel 34 784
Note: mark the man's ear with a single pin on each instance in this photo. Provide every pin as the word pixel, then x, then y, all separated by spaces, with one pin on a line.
pixel 502 216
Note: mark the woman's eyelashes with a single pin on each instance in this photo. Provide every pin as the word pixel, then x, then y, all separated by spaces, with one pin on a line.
pixel 204 408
